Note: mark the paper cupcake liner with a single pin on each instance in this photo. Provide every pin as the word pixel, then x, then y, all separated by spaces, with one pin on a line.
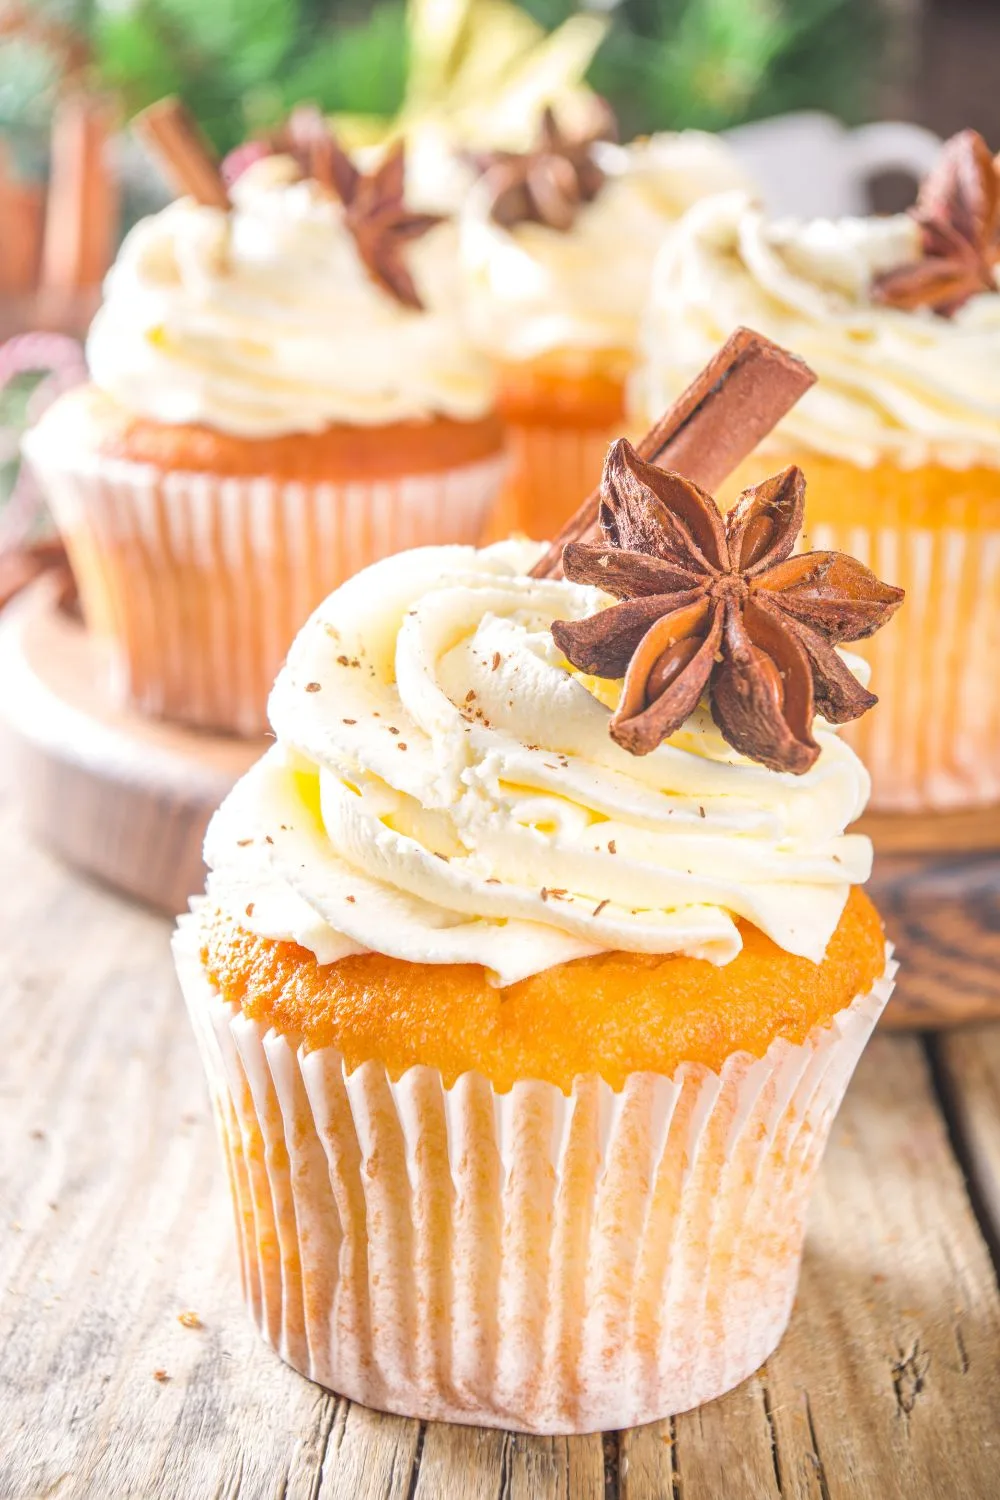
pixel 552 469
pixel 201 582
pixel 933 740
pixel 524 1260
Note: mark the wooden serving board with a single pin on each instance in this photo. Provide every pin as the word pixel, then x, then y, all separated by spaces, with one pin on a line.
pixel 125 798
pixel 128 799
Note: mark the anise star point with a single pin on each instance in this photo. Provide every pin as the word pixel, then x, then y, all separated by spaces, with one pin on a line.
pixel 958 215
pixel 719 606
pixel 375 211
pixel 549 184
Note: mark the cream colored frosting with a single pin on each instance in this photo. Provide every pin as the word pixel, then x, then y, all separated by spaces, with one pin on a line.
pixel 531 290
pixel 444 790
pixel 264 321
pixel 908 387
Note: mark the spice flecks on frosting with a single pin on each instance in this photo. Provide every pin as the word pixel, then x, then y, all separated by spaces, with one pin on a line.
pixel 266 320
pixel 512 832
pixel 903 387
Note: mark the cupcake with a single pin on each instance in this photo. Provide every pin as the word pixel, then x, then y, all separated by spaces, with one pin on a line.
pixel 557 249
pixel 281 392
pixel 524 1038
pixel 900 319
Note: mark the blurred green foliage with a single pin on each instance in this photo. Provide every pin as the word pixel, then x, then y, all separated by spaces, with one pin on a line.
pixel 717 63
pixel 240 63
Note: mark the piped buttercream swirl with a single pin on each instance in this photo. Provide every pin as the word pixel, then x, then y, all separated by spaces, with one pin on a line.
pixel 905 387
pixel 264 321
pixel 532 290
pixel 443 789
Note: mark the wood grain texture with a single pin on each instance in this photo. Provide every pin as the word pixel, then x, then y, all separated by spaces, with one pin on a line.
pixel 115 1220
pixel 967 1064
pixel 942 911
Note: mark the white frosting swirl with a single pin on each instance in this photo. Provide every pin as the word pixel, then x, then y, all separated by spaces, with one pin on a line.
pixel 907 387
pixel 264 321
pixel 444 790
pixel 532 290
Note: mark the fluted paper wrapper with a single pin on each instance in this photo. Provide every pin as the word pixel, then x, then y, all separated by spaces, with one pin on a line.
pixel 552 470
pixel 933 740
pixel 200 582
pixel 526 1260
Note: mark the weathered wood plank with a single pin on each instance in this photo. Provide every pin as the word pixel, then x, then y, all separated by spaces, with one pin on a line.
pixel 464 1463
pixel 942 910
pixel 968 1067
pixel 371 1457
pixel 467 1463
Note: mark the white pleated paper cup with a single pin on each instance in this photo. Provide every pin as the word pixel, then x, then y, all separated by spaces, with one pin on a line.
pixel 527 1260
pixel 200 582
pixel 932 742
pixel 552 469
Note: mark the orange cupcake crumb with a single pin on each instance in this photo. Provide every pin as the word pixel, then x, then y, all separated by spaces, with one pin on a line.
pixel 88 421
pixel 613 1014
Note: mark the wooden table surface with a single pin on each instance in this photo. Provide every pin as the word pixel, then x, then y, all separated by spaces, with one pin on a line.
pixel 127 1367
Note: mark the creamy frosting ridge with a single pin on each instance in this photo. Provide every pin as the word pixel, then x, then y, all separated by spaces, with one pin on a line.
pixel 908 387
pixel 264 321
pixel 532 290
pixel 443 789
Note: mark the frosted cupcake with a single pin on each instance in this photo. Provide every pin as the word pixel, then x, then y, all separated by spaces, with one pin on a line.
pixel 281 392
pixel 900 319
pixel 525 1038
pixel 557 246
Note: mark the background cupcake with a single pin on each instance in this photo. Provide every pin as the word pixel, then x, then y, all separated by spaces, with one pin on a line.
pixel 900 319
pixel 524 1039
pixel 281 391
pixel 557 248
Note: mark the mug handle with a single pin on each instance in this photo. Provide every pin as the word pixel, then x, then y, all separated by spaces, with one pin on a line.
pixel 891 145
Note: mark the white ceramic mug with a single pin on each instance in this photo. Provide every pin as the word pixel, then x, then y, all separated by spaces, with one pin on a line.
pixel 810 165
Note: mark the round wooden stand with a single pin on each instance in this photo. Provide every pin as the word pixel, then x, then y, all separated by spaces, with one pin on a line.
pixel 128 800
pixel 123 797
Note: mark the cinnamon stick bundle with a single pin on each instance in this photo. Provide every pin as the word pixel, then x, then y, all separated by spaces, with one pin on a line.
pixel 739 397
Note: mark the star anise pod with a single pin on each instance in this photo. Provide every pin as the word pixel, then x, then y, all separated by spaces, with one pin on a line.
pixel 958 211
pixel 719 606
pixel 549 184
pixel 374 210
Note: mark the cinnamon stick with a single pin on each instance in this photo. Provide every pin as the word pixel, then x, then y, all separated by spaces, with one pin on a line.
pixel 740 395
pixel 171 132
pixel 81 211
pixel 21 217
